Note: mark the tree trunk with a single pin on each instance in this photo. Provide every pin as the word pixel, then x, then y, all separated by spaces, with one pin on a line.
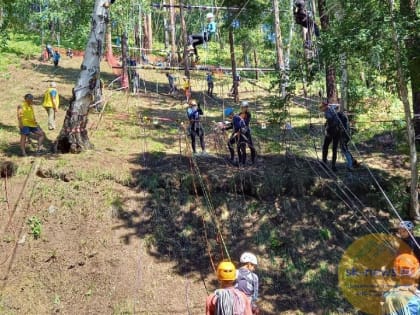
pixel 147 31
pixel 185 39
pixel 279 41
pixel 256 64
pixel 174 58
pixel 108 41
pixel 150 30
pixel 233 60
pixel 73 136
pixel 124 58
pixel 330 69
pixel 344 82
pixel 408 11
pixel 403 92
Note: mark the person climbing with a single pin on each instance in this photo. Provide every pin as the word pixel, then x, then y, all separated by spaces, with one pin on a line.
pixel 246 116
pixel 195 129
pixel 404 298
pixel 171 82
pixel 199 39
pixel 238 136
pixel 56 58
pixel 51 103
pixel 344 141
pixel 247 281
pixel 406 228
pixel 303 17
pixel 186 86
pixel 227 299
pixel 332 133
pixel 210 83
pixel 28 124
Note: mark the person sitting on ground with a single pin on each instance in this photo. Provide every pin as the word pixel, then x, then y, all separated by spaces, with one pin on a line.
pixel 186 86
pixel 344 141
pixel 404 298
pixel 227 299
pixel 302 18
pixel 247 281
pixel 332 133
pixel 171 82
pixel 199 39
pixel 51 103
pixel 246 116
pixel 195 129
pixel 238 136
pixel 210 84
pixel 406 228
pixel 28 124
pixel 56 58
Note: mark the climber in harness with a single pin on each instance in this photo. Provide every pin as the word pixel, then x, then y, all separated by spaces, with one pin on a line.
pixel 228 300
pixel 238 136
pixel 344 141
pixel 247 281
pixel 332 133
pixel 246 116
pixel 304 18
pixel 195 129
pixel 206 36
pixel 404 298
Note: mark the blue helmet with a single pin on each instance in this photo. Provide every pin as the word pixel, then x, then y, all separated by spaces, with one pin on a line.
pixel 228 111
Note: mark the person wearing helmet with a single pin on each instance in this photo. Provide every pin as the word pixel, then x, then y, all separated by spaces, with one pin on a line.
pixel 332 133
pixel 238 136
pixel 404 298
pixel 206 36
pixel 195 129
pixel 246 116
pixel 227 299
pixel 247 281
pixel 405 228
pixel 28 124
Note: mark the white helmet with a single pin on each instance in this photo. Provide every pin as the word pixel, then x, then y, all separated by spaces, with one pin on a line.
pixel 244 104
pixel 248 258
pixel 408 225
pixel 209 15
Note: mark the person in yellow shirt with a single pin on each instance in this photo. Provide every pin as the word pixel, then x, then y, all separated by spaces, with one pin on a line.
pixel 51 103
pixel 28 124
pixel 186 86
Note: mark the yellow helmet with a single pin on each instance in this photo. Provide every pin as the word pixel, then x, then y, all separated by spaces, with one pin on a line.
pixel 226 271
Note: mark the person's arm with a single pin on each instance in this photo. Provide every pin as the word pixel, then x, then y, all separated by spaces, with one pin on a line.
pixel 256 285
pixel 199 110
pixel 53 94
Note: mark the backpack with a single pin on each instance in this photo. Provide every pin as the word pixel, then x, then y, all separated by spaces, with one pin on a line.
pixel 229 302
pixel 333 121
pixel 245 282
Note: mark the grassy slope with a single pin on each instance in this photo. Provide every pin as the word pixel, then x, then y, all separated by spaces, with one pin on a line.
pixel 128 226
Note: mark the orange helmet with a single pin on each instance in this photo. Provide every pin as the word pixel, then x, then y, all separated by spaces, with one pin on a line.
pixel 226 271
pixel 406 265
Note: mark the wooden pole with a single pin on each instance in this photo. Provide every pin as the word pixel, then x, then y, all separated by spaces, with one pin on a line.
pixel 233 61
pixel 279 41
pixel 185 37
pixel 174 57
pixel 166 29
pixel 124 56
pixel 256 64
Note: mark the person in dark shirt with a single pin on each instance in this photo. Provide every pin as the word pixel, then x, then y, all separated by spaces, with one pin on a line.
pixel 404 230
pixel 344 141
pixel 332 133
pixel 246 116
pixel 196 129
pixel 239 128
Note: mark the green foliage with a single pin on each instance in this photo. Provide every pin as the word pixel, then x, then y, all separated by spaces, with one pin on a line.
pixel 35 226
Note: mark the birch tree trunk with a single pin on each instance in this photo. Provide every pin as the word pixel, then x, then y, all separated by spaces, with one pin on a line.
pixel 235 91
pixel 174 58
pixel 73 136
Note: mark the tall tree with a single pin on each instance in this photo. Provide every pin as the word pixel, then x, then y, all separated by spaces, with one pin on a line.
pixel 411 23
pixel 329 66
pixel 73 136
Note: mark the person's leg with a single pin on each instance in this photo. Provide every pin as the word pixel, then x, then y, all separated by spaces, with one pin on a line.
pixel 193 141
pixel 231 142
pixel 22 144
pixel 197 40
pixel 242 151
pixel 49 111
pixel 346 152
pixel 336 139
pixel 251 148
pixel 202 143
pixel 325 146
pixel 41 136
